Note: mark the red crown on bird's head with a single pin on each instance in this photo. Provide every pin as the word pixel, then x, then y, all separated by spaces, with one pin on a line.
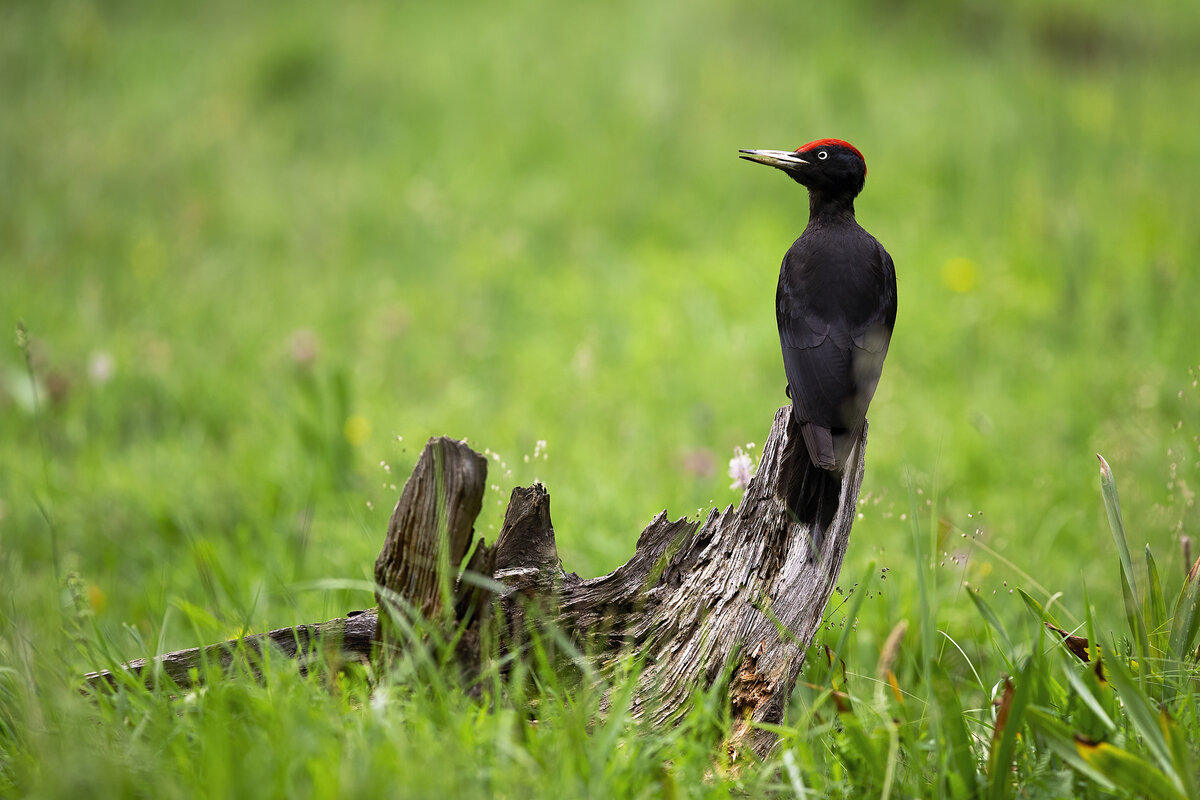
pixel 833 143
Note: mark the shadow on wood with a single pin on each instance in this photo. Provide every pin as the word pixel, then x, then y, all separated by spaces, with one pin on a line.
pixel 736 595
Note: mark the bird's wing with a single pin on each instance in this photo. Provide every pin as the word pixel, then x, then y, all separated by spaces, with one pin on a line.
pixel 874 333
pixel 821 376
pixel 833 352
pixel 816 350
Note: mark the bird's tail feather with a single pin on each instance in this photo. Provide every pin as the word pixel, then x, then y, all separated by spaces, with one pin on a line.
pixel 812 493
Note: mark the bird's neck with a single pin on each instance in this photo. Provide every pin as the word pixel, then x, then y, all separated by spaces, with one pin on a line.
pixel 829 208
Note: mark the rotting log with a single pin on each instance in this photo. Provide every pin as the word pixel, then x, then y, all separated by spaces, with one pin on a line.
pixel 737 596
pixel 349 638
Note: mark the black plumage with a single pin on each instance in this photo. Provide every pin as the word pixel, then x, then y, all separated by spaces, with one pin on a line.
pixel 836 308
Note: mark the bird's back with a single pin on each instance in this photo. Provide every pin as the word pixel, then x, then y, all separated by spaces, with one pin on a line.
pixel 836 307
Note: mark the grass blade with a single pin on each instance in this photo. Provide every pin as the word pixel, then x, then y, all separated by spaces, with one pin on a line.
pixel 1141 714
pixel 1058 736
pixel 1131 772
pixel 1009 720
pixel 1086 696
pixel 958 757
pixel 1089 619
pixel 1180 752
pixel 1155 607
pixel 924 574
pixel 857 745
pixel 1112 505
pixel 1036 608
pixel 1185 619
pixel 1133 617
pixel 992 620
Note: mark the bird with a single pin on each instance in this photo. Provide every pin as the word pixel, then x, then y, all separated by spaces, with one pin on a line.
pixel 836 309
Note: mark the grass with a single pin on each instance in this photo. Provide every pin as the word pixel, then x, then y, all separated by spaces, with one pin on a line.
pixel 254 246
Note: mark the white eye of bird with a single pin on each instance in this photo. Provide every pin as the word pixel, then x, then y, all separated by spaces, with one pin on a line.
pixel 821 154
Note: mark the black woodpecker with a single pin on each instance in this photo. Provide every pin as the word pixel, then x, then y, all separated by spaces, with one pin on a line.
pixel 836 308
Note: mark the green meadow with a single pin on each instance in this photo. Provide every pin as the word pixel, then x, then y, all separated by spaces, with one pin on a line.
pixel 253 255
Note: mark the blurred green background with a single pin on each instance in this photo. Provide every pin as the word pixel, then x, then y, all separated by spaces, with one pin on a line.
pixel 257 244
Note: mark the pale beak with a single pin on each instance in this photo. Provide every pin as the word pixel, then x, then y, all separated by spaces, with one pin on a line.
pixel 783 159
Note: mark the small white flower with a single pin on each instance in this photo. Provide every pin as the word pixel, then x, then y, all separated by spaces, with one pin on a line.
pixel 101 367
pixel 741 469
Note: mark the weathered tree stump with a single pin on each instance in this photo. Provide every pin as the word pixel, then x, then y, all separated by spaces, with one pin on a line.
pixel 739 594
pixel 736 591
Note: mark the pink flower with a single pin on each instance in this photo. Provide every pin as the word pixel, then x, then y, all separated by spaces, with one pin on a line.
pixel 741 469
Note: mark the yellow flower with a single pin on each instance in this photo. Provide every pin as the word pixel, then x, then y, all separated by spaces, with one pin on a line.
pixel 357 429
pixel 960 274
pixel 97 599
